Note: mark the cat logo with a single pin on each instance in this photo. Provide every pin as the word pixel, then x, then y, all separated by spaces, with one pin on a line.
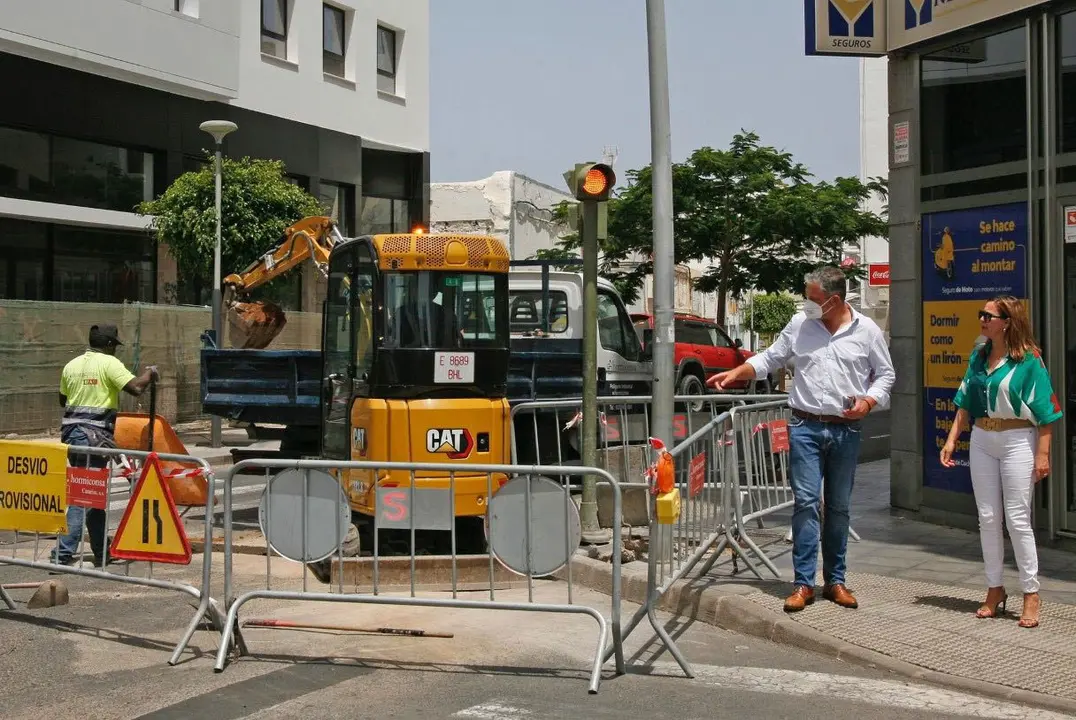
pixel 358 441
pixel 454 442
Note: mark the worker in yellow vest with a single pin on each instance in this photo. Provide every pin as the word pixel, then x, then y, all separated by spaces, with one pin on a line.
pixel 90 386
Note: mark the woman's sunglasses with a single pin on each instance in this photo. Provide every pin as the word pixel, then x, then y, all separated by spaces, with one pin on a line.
pixel 987 316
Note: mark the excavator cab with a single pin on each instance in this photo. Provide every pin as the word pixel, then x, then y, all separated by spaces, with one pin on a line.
pixel 415 351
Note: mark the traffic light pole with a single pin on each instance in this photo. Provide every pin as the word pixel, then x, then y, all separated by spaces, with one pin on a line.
pixel 661 164
pixel 588 507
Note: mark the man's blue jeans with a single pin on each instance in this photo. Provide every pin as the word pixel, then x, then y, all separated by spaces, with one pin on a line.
pixel 822 460
pixel 67 546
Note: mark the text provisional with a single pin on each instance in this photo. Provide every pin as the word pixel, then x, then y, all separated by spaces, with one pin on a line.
pixel 33 486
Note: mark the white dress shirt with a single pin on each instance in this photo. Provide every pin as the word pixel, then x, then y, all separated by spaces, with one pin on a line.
pixel 852 362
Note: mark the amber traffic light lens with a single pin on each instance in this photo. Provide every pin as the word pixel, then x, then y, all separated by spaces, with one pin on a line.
pixel 595 181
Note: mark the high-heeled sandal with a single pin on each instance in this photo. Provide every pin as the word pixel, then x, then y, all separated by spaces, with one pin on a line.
pixel 985 611
pixel 1026 620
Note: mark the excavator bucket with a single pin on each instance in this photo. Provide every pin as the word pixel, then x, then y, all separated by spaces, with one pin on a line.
pixel 253 325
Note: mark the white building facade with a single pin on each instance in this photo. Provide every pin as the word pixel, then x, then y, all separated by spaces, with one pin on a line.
pixel 101 106
pixel 507 205
pixel 873 252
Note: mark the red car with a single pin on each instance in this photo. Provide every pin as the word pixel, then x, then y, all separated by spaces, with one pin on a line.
pixel 703 349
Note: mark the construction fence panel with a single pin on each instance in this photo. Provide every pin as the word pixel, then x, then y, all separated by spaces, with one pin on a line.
pixel 531 525
pixel 28 509
pixel 38 338
pixel 549 431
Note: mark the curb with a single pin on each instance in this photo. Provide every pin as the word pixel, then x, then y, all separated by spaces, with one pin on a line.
pixel 736 613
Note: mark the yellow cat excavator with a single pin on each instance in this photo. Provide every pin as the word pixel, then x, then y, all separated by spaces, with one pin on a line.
pixel 254 325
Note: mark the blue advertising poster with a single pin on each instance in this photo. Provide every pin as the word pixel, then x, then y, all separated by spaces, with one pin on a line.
pixel 975 254
pixel 969 257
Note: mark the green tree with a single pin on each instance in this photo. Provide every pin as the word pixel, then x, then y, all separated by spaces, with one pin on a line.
pixel 774 310
pixel 750 210
pixel 257 204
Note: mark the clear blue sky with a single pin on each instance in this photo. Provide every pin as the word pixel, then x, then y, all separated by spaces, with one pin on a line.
pixel 508 79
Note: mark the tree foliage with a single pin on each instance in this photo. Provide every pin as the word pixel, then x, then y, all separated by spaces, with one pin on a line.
pixel 750 210
pixel 257 204
pixel 774 310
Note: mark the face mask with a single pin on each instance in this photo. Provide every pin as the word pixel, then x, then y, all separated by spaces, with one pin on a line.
pixel 812 310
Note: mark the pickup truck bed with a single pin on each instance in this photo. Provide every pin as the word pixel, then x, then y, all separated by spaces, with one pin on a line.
pixel 280 387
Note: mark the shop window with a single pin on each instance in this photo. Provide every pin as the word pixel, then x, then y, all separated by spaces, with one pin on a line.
pixel 1066 131
pixel 973 100
pixel 103 266
pixel 23 254
pixel 384 215
pixel 35 166
pixel 386 59
pixel 338 199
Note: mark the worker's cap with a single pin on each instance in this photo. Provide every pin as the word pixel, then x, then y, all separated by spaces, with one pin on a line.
pixel 104 335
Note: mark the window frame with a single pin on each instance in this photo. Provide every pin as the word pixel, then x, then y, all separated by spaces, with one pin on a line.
pixel 329 56
pixel 387 32
pixel 285 7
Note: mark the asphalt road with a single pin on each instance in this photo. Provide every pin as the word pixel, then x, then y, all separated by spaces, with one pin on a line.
pixel 104 656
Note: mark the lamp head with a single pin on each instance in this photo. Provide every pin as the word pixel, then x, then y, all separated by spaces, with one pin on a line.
pixel 218 128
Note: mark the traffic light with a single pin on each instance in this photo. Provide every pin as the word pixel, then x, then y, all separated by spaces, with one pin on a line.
pixel 591 181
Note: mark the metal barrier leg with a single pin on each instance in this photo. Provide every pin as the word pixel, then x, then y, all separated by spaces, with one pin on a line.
pixel 669 643
pixel 202 614
pixel 6 598
pixel 232 620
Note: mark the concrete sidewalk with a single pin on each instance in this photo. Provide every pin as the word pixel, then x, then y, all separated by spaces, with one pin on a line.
pixel 918 586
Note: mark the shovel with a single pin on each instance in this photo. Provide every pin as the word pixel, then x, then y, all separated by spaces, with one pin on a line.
pixel 46 594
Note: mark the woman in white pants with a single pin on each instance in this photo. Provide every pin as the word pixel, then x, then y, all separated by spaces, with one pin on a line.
pixel 1007 395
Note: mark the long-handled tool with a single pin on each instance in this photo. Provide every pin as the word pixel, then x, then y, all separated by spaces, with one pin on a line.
pixel 152 410
pixel 289 624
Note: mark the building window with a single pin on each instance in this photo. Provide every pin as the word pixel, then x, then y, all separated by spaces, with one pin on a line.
pixel 104 266
pixel 974 104
pixel 34 166
pixel 337 198
pixel 187 7
pixel 275 28
pixel 384 215
pixel 332 42
pixel 386 60
pixel 298 180
pixel 41 261
pixel 23 252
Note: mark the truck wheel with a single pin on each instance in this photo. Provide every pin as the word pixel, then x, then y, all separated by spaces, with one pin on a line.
pixel 691 384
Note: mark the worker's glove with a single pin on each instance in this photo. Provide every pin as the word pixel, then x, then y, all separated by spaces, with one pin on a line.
pixel 154 375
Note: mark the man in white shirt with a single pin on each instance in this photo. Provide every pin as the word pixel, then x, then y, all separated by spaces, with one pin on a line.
pixel 843 371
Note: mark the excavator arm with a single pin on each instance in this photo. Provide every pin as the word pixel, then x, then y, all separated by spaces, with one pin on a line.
pixel 311 237
pixel 256 324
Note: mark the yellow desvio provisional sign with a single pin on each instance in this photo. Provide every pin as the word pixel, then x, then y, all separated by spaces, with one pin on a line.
pixel 33 486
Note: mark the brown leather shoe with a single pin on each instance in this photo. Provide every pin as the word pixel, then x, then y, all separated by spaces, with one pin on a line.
pixel 840 595
pixel 800 598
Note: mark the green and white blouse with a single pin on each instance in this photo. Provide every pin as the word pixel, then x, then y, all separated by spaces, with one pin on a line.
pixel 1013 390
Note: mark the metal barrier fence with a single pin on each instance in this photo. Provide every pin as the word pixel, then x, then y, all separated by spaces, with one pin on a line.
pixel 758 442
pixel 96 493
pixel 532 527
pixel 740 454
pixel 547 438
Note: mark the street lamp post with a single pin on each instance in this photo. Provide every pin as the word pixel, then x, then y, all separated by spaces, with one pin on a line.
pixel 218 129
